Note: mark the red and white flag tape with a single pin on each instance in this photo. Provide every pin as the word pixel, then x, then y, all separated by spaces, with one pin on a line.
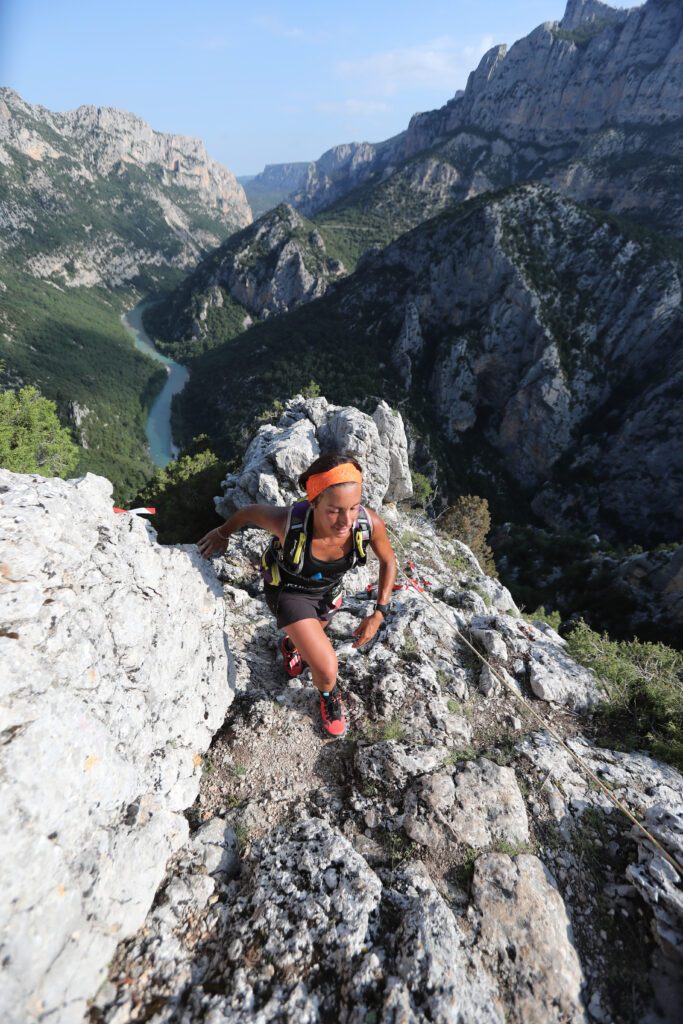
pixel 137 511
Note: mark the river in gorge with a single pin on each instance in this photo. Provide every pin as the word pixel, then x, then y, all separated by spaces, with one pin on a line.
pixel 158 426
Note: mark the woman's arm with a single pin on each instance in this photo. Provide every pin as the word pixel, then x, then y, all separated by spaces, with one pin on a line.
pixel 381 545
pixel 265 517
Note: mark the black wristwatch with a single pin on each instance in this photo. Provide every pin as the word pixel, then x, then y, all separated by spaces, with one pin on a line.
pixel 383 608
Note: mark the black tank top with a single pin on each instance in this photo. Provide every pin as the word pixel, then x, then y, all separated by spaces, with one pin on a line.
pixel 317 576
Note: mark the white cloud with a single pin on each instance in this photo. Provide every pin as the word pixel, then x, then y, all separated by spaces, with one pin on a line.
pixel 353 107
pixel 439 64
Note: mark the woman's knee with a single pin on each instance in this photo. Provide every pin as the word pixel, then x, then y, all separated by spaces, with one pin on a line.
pixel 325 668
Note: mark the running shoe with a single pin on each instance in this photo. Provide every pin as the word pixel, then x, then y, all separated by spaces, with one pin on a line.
pixel 291 659
pixel 332 714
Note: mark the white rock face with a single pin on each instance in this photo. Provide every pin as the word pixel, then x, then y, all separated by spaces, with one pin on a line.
pixel 525 934
pixel 481 805
pixel 408 344
pixel 279 454
pixel 554 676
pixel 657 879
pixel 115 678
pixel 591 86
pixel 392 435
pixel 104 159
pixel 107 136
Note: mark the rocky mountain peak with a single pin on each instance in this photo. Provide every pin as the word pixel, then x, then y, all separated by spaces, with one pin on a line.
pixel 582 12
pixel 486 69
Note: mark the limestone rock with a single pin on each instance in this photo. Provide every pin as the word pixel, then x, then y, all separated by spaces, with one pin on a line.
pixel 408 345
pixel 392 435
pixel 525 937
pixel 279 454
pixel 554 676
pixel 115 678
pixel 434 976
pixel 392 764
pixel 306 907
pixel 481 804
pixel 657 880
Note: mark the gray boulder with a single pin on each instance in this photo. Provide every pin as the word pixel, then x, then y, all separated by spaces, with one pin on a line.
pixel 525 938
pixel 308 427
pixel 114 680
pixel 480 805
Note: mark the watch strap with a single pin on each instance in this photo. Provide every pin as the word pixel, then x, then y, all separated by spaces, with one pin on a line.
pixel 383 608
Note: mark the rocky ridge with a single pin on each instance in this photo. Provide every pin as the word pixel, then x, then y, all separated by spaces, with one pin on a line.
pixel 590 105
pixel 115 679
pixel 100 158
pixel 446 861
pixel 275 265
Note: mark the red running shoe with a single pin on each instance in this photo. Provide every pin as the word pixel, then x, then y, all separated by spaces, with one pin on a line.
pixel 291 659
pixel 332 714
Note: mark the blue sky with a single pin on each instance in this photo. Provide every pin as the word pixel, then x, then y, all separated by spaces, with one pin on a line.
pixel 260 83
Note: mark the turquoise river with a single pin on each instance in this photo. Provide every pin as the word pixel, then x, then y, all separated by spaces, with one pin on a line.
pixel 158 426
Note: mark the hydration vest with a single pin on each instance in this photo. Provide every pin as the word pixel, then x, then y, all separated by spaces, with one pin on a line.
pixel 290 555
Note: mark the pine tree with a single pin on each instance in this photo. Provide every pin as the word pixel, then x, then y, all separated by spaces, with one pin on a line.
pixel 32 440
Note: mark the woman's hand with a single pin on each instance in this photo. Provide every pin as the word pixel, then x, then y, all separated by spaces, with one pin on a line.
pixel 368 628
pixel 212 542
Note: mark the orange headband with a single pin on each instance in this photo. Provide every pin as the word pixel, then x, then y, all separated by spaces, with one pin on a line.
pixel 344 474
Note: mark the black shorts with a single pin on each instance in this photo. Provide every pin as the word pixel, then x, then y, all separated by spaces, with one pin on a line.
pixel 290 607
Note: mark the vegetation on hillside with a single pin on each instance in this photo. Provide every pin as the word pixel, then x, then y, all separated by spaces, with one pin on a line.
pixel 66 340
pixel 643 683
pixel 32 440
pixel 183 494
pixel 469 521
pixel 72 345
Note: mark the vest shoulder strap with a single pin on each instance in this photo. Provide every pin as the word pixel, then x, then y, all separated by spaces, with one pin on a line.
pixel 362 535
pixel 291 553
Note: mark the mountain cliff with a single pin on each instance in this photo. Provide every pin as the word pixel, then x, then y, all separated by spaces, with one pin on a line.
pixel 536 342
pixel 95 196
pixel 590 105
pixel 276 264
pixel 273 185
pixel 96 210
pixel 450 860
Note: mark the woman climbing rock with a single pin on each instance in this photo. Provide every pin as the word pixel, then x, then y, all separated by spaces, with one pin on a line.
pixel 315 542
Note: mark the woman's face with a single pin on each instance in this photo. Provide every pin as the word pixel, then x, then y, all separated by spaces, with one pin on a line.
pixel 337 509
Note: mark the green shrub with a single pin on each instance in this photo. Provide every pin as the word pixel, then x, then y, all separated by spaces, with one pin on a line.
pixel 183 493
pixel 469 521
pixel 552 618
pixel 312 390
pixel 644 692
pixel 32 440
pixel 422 489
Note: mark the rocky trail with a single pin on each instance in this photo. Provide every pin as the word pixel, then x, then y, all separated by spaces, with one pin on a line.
pixel 446 860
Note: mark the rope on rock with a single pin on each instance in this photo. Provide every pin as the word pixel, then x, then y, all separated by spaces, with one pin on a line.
pixel 539 718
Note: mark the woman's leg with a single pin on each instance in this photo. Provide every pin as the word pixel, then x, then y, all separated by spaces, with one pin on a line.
pixel 308 636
